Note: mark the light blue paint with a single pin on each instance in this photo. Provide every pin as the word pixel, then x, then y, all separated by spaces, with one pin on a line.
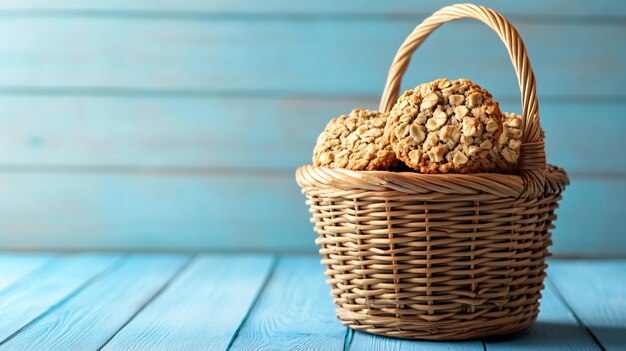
pixel 573 137
pixel 321 7
pixel 596 293
pixel 223 211
pixel 201 309
pixel 329 57
pixel 30 298
pixel 145 211
pixel 177 125
pixel 294 311
pixel 96 313
pixel 370 342
pixel 17 266
pixel 246 133
pixel 590 218
pixel 78 300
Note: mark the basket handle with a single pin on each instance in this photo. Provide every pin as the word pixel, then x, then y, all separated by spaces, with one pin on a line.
pixel 532 158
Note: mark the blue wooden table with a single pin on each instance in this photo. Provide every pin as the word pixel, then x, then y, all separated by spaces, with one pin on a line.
pixel 240 302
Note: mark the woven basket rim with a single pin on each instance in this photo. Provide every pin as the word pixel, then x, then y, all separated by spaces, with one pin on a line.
pixel 502 185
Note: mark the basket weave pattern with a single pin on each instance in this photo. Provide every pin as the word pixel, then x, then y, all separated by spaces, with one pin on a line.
pixel 439 256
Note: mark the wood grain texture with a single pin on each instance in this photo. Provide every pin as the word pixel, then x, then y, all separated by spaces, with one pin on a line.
pixel 30 298
pixel 270 57
pixel 370 342
pixel 201 309
pixel 75 300
pixel 294 312
pixel 555 329
pixel 96 313
pixel 596 293
pixel 229 211
pixel 243 133
pixel 352 7
pixel 16 266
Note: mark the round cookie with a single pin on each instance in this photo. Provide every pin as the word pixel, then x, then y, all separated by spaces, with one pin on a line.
pixel 504 154
pixel 445 126
pixel 355 141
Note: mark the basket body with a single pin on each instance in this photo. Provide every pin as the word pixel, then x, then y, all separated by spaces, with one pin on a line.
pixel 409 256
pixel 440 256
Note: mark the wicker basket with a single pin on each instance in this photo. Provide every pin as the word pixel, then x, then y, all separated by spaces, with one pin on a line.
pixel 439 256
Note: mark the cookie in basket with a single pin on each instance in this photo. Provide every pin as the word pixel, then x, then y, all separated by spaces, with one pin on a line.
pixel 356 142
pixel 504 154
pixel 445 126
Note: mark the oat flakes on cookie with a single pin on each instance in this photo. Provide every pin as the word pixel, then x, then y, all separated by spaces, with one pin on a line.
pixel 356 142
pixel 445 126
pixel 504 154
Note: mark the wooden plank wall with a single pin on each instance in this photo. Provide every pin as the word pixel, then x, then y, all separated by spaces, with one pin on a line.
pixel 179 124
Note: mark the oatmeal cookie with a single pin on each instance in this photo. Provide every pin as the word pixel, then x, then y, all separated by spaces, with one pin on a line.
pixel 355 141
pixel 504 154
pixel 445 126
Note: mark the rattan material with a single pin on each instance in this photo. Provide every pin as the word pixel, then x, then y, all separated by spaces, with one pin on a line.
pixel 441 257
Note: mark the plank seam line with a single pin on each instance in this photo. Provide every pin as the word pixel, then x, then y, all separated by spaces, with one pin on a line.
pixel 257 296
pixel 27 276
pixel 557 292
pixel 154 296
pixel 347 340
pixel 113 266
pixel 175 171
pixel 287 94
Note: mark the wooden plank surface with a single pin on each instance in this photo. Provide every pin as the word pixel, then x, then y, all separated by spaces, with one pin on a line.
pixel 32 297
pixel 324 7
pixel 596 293
pixel 16 266
pixel 96 313
pixel 243 133
pixel 226 211
pixel 243 302
pixel 369 342
pixel 294 311
pixel 555 329
pixel 201 309
pixel 288 55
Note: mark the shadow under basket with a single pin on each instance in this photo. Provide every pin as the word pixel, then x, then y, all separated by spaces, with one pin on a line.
pixel 439 256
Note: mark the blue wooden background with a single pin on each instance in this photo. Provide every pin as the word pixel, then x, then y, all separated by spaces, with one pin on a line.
pixel 179 124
